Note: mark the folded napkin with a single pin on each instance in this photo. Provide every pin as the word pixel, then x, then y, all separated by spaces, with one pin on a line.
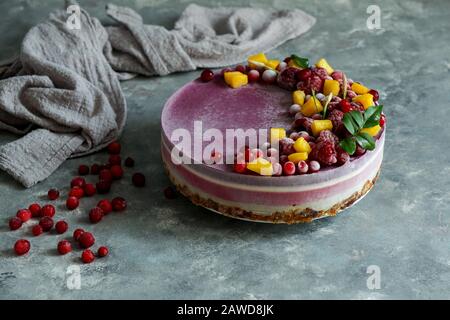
pixel 63 92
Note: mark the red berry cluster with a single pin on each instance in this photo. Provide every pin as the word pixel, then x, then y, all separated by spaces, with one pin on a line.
pixel 79 188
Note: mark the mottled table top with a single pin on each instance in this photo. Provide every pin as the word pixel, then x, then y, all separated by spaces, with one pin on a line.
pixel 172 249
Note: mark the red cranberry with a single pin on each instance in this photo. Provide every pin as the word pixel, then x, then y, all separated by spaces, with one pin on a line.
pixel 240 167
pixel 24 215
pixel 115 159
pixel 105 205
pixel 382 120
pixel 48 211
pixel 37 230
pixel 240 68
pixel 89 190
pixel 15 223
pixel 87 256
pixel 207 75
pixel 72 203
pixel 21 247
pixel 102 252
pixel 95 168
pixel 35 210
pixel 114 147
pixel 61 227
pixel 129 162
pixel 83 170
pixel 138 180
pixel 345 106
pixel 86 240
pixel 105 175
pixel 116 172
pixel 119 204
pixel 46 223
pixel 103 186
pixel 64 247
pixel 288 168
pixel 53 194
pixel 302 167
pixel 253 75
pixel 170 192
pixel 375 94
pixel 76 192
pixel 314 166
pixel 96 215
pixel 77 233
pixel 304 74
pixel 77 182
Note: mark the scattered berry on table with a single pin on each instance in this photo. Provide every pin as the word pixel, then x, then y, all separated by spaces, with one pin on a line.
pixel 48 211
pixel 53 194
pixel 129 162
pixel 116 172
pixel 83 170
pixel 96 215
pixel 15 223
pixel 77 233
pixel 105 175
pixel 115 159
pixel 72 203
pixel 288 168
pixel 269 76
pixel 314 166
pixel 77 182
pixel 87 256
pixel 22 247
pixel 64 247
pixel 119 204
pixel 95 169
pixel 105 205
pixel 103 186
pixel 114 147
pixel 86 240
pixel 102 252
pixel 35 210
pixel 90 189
pixel 46 223
pixel 76 192
pixel 24 215
pixel 302 167
pixel 37 230
pixel 61 227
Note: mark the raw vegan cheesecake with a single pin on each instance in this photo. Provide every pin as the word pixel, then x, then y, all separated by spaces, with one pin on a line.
pixel 322 151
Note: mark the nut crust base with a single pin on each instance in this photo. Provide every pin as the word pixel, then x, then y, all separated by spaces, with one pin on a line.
pixel 289 216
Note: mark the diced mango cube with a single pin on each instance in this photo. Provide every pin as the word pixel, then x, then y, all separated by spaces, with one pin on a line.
pixel 301 145
pixel 298 156
pixel 331 86
pixel 373 131
pixel 261 166
pixel 320 125
pixel 322 63
pixel 272 64
pixel 277 134
pixel 298 96
pixel 312 106
pixel 257 60
pixel 235 79
pixel 365 99
pixel 359 88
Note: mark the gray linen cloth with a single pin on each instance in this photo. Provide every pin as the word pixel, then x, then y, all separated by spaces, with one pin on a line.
pixel 63 92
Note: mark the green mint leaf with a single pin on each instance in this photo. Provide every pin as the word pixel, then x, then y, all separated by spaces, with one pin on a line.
pixel 349 145
pixel 372 116
pixel 348 123
pixel 300 61
pixel 357 118
pixel 365 140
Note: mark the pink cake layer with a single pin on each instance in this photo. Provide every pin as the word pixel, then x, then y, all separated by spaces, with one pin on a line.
pixel 250 196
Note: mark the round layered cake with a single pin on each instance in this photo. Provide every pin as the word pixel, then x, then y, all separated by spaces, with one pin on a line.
pixel 200 107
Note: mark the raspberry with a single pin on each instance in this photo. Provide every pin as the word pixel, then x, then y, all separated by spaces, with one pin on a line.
pixel 21 247
pixel 138 180
pixel 320 72
pixel 86 240
pixel 170 193
pixel 24 215
pixel 105 205
pixel 287 79
pixel 72 203
pixel 89 189
pixel 119 204
pixel 37 230
pixel 327 135
pixel 103 186
pixel 87 256
pixel 64 247
pixel 95 168
pixel 114 147
pixel 53 194
pixel 46 223
pixel 129 162
pixel 316 84
pixel 61 227
pixel 324 152
pixel 287 146
pixel 336 118
pixel 116 172
pixel 15 223
pixel 76 192
pixel 96 215
pixel 77 182
pixel 48 211
pixel 35 209
pixel 83 170
pixel 77 233
pixel 102 252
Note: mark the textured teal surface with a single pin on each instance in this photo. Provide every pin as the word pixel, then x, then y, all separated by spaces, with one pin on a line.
pixel 172 249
